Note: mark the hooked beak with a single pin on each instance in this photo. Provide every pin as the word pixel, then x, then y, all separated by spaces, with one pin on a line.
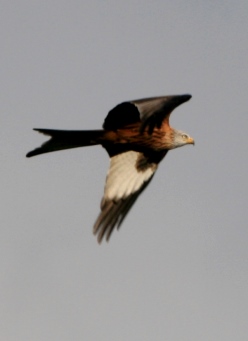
pixel 191 141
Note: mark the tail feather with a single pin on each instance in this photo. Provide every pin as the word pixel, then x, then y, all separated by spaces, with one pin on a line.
pixel 65 139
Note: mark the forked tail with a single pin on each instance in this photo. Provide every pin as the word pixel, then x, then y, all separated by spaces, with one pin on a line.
pixel 65 139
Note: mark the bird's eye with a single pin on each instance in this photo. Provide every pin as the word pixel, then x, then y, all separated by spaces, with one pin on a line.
pixel 184 136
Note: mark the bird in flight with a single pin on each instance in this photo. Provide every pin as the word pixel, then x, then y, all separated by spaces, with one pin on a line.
pixel 137 136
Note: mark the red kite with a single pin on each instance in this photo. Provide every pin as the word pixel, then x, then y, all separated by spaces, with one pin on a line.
pixel 137 136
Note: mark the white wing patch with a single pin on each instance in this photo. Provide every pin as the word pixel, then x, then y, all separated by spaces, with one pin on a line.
pixel 128 176
pixel 123 176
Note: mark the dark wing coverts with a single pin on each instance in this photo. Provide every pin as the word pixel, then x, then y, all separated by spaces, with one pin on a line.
pixel 151 112
pixel 133 135
pixel 125 179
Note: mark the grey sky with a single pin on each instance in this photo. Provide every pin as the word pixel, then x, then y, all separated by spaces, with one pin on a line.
pixel 178 268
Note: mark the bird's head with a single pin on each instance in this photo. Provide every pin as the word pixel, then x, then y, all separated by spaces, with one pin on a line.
pixel 179 139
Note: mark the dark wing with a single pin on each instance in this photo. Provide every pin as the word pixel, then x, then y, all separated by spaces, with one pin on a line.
pixel 128 176
pixel 156 111
pixel 148 112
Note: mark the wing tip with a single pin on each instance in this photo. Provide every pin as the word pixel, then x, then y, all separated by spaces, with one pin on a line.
pixel 186 97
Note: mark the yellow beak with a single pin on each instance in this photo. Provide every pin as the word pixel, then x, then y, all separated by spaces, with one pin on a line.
pixel 191 141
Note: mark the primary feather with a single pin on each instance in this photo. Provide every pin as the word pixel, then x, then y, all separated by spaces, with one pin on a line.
pixel 137 136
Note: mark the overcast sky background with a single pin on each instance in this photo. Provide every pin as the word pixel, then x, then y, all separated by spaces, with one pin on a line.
pixel 178 268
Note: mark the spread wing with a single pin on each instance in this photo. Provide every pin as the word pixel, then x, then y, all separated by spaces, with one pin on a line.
pixel 128 176
pixel 148 112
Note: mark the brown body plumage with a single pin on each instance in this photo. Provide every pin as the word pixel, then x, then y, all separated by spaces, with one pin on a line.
pixel 137 136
